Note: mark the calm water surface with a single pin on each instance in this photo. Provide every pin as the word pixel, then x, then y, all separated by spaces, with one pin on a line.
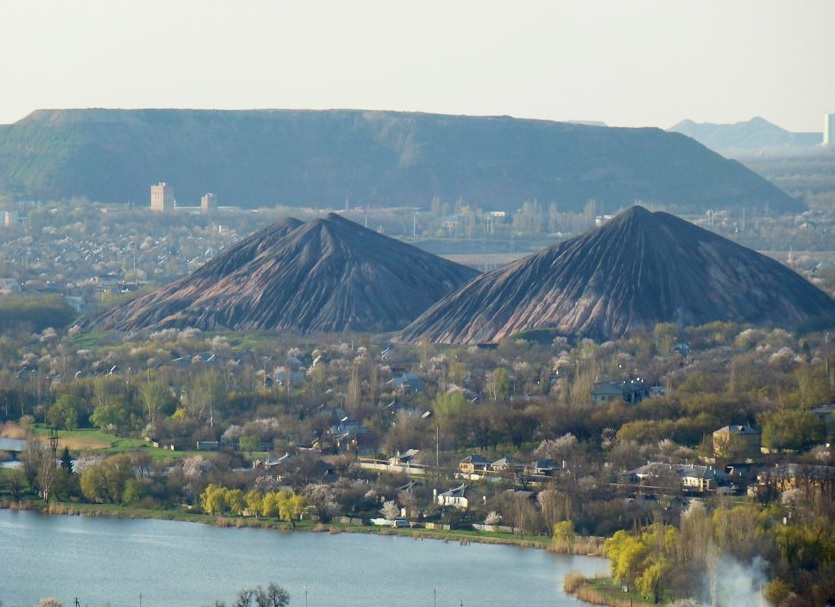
pixel 105 561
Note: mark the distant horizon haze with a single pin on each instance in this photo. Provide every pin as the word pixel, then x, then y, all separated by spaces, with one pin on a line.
pixel 646 63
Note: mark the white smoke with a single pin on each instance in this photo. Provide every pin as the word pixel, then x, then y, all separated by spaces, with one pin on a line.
pixel 730 583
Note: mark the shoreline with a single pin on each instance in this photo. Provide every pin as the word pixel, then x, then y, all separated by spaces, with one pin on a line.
pixel 601 591
pixel 580 547
pixel 583 592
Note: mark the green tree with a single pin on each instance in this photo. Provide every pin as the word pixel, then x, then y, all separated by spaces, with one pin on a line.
pixel 290 506
pixel 790 429
pixel 110 417
pixel 269 504
pixel 254 499
pixel 248 443
pixel 32 457
pixel 65 412
pixel 206 396
pixel 564 532
pixel 37 311
pixel 651 582
pixel 737 531
pixel 664 336
pixel 136 490
pixel 626 553
pixel 450 409
pixel 66 460
pixel 498 384
pixel 643 561
pixel 213 499
pixel 13 481
pixel 235 500
pixel 450 404
pixel 155 396
pixel 105 481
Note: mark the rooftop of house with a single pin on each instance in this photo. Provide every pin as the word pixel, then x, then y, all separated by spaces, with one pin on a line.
pixel 682 470
pixel 476 459
pixel 624 386
pixel 455 491
pixel 406 456
pixel 738 429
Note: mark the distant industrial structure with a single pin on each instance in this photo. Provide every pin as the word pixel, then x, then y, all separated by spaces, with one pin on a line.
pixel 162 197
pixel 162 200
pixel 208 203
pixel 829 130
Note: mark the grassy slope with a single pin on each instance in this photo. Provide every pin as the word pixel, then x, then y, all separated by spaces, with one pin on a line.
pixel 263 158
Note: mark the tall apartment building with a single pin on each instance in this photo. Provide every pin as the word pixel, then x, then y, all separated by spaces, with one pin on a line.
pixel 829 130
pixel 208 203
pixel 162 197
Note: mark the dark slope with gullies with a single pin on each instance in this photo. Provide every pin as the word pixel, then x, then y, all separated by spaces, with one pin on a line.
pixel 639 269
pixel 327 275
pixel 152 310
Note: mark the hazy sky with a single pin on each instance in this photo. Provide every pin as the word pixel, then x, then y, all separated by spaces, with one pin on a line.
pixel 623 62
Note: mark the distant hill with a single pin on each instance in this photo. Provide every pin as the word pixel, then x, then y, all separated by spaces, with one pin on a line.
pixel 755 135
pixel 635 271
pixel 336 158
pixel 327 275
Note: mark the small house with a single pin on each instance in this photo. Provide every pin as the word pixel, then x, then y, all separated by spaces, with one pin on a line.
pixel 542 467
pixel 505 464
pixel 473 464
pixel 408 382
pixel 628 390
pixel 736 443
pixel 456 497
pixel 404 459
pixel 693 478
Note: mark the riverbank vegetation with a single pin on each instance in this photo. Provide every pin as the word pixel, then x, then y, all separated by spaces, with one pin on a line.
pixel 188 425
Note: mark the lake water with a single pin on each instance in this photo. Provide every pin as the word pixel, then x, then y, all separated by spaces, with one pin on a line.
pixel 103 561
pixel 12 444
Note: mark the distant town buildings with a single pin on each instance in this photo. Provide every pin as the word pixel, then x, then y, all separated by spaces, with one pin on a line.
pixel 9 286
pixel 162 197
pixel 10 218
pixel 208 202
pixel 829 130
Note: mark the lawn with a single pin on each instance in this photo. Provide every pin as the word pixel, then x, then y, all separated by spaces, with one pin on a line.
pixel 93 339
pixel 89 439
pixel 97 441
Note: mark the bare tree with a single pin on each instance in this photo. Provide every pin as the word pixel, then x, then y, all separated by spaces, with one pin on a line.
pixel 273 596
pixel 245 598
pixel 39 466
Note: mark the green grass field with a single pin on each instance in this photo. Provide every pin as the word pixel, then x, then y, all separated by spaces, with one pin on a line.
pixel 97 441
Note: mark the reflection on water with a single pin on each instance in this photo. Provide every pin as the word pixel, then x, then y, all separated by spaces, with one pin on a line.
pixel 173 564
pixel 12 444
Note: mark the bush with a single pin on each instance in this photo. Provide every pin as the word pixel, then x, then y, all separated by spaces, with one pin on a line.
pixel 572 582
